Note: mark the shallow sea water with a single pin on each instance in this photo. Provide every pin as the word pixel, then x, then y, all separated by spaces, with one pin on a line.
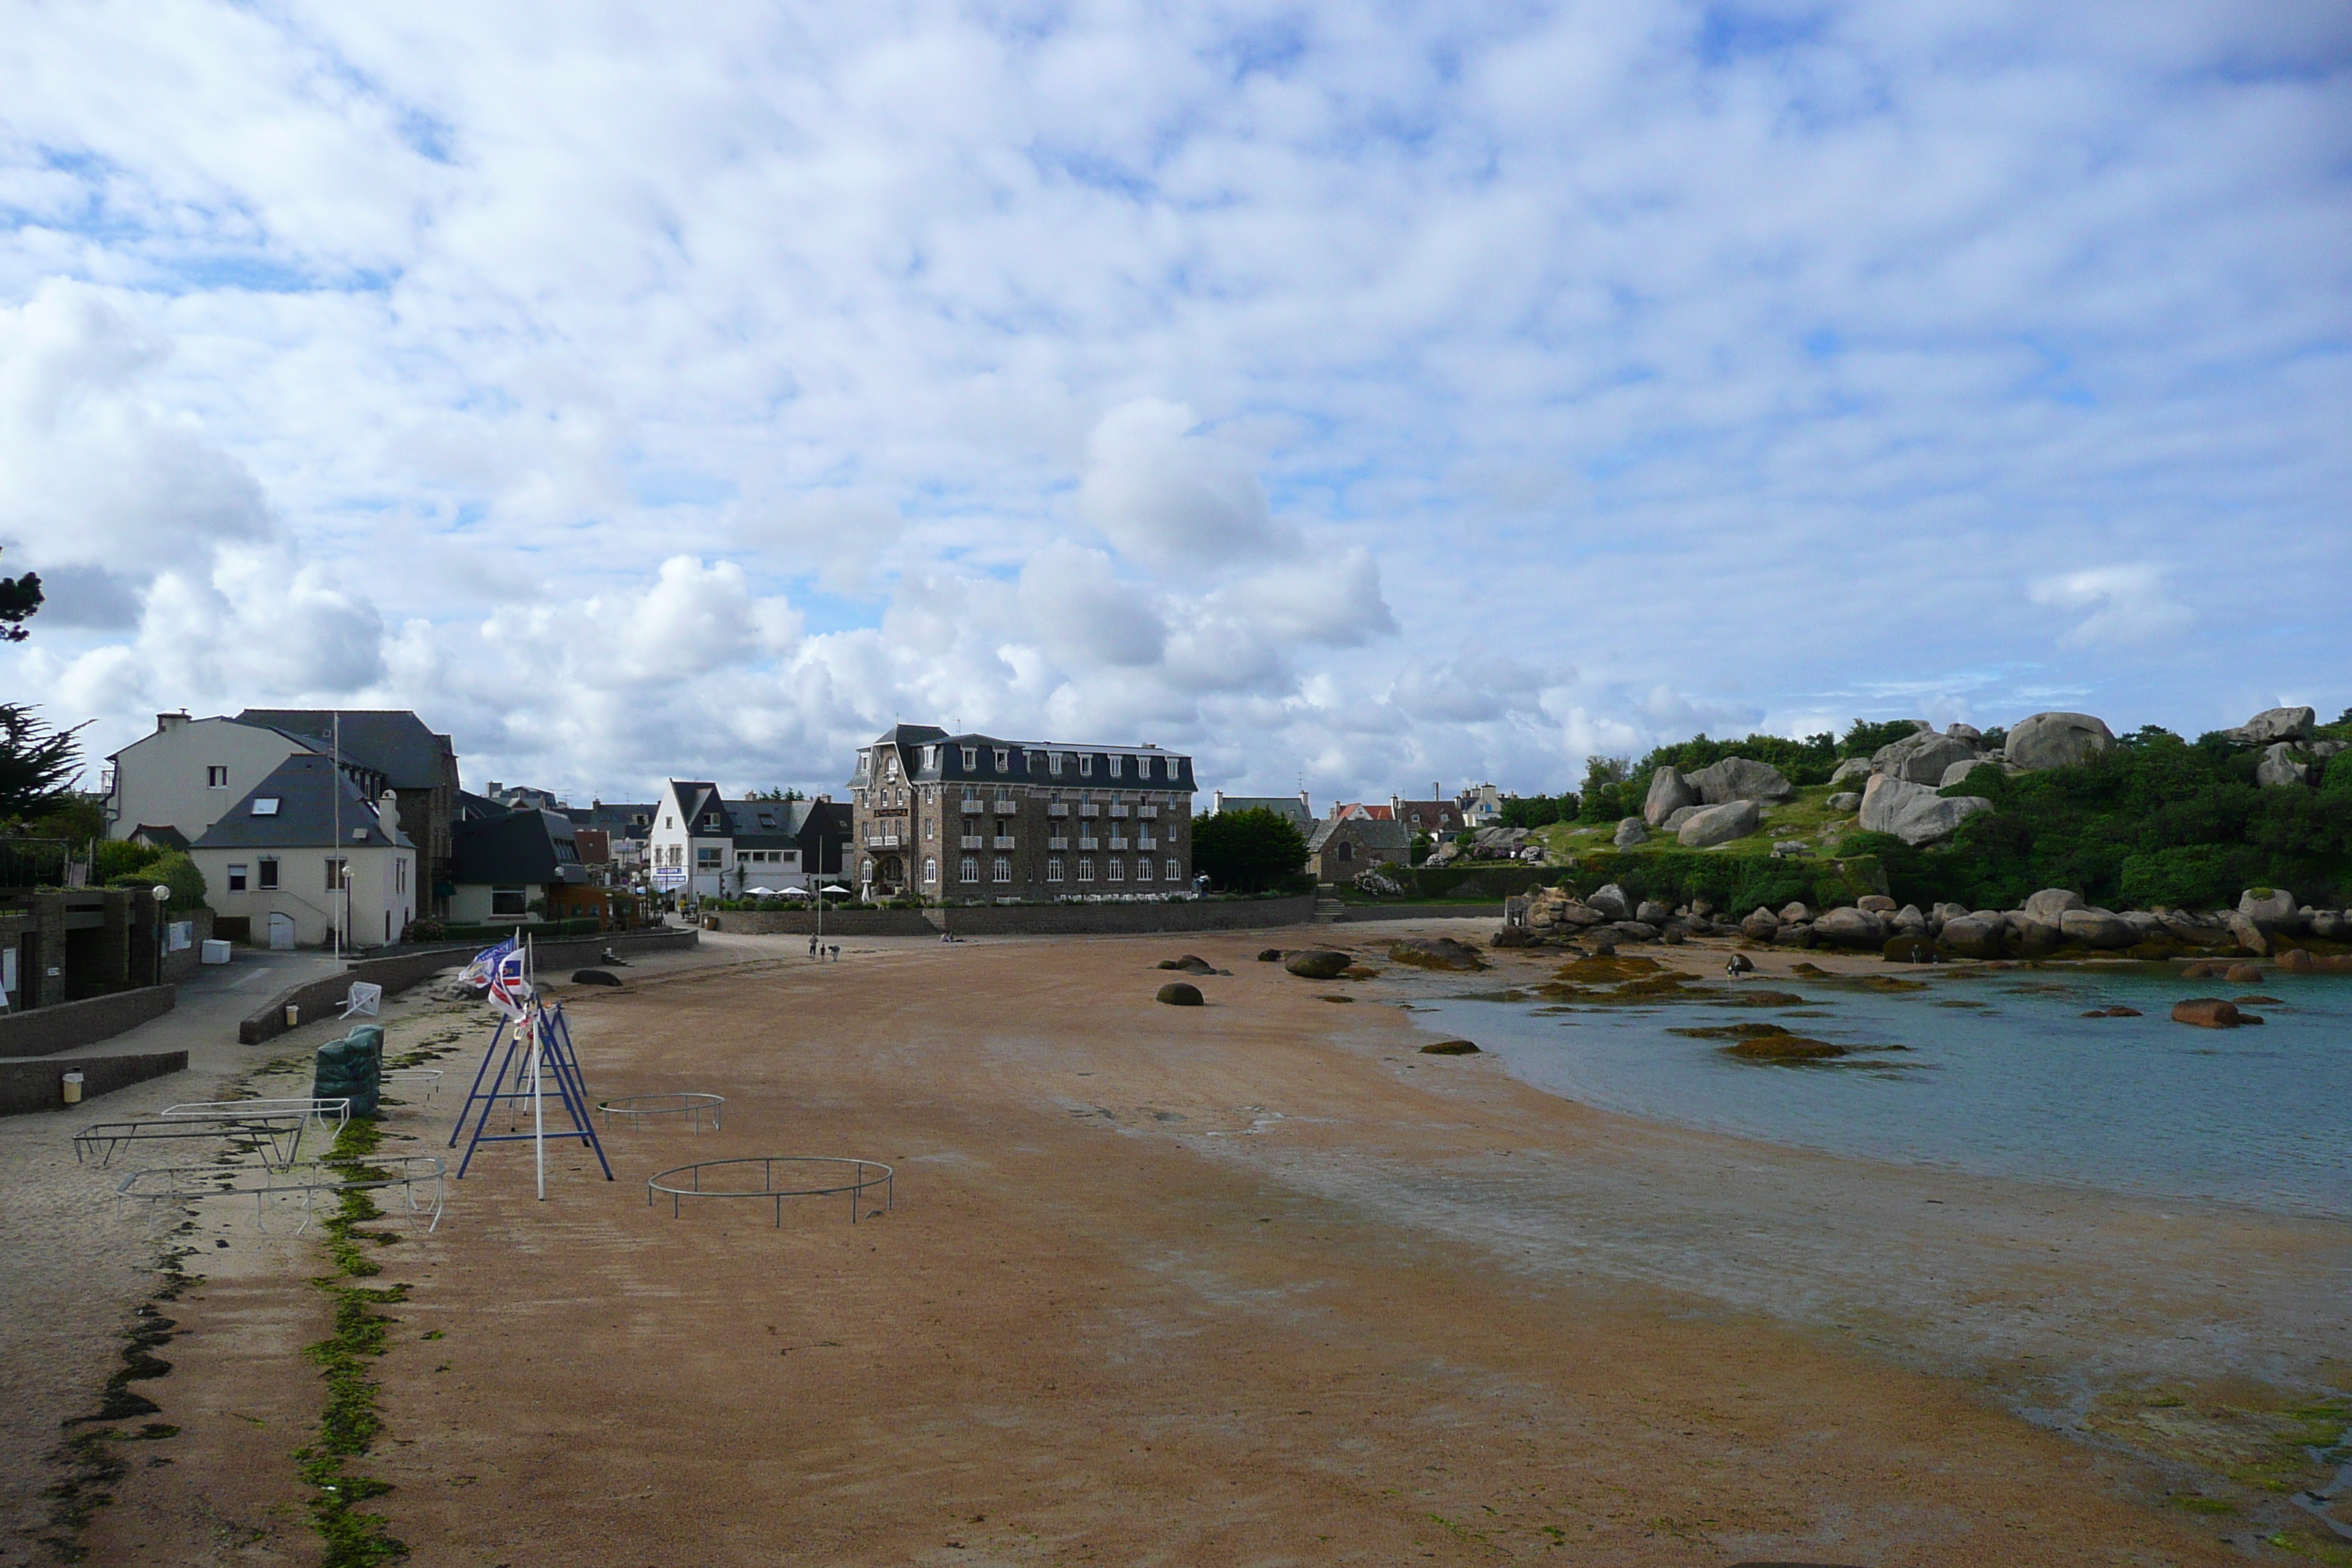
pixel 2021 1084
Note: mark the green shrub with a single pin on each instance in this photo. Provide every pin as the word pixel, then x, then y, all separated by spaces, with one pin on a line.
pixel 118 857
pixel 1247 851
pixel 168 869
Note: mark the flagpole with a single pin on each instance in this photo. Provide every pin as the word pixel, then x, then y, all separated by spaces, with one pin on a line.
pixel 538 1049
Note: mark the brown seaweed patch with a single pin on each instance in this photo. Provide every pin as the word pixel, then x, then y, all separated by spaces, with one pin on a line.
pixel 1607 968
pixel 1784 1048
pixel 1733 1032
pixel 1762 999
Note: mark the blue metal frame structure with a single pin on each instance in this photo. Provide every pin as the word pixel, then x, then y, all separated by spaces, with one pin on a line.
pixel 557 1062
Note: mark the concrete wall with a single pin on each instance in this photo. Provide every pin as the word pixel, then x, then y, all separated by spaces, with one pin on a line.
pixel 1029 920
pixel 1466 909
pixel 69 1025
pixel 320 998
pixel 34 1085
pixel 178 966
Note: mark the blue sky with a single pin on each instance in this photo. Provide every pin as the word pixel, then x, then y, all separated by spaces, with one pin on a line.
pixel 1375 394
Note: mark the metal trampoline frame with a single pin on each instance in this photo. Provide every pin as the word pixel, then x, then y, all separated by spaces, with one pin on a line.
pixel 855 1188
pixel 169 1184
pixel 691 1105
pixel 319 1111
pixel 282 1130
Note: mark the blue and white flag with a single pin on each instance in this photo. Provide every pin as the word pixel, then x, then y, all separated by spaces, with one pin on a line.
pixel 484 965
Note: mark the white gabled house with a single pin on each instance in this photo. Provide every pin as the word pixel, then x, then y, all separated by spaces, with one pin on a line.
pixel 303 854
pixel 702 846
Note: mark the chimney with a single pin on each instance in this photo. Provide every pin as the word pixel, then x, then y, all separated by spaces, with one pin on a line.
pixel 1396 808
pixel 1220 798
pixel 170 720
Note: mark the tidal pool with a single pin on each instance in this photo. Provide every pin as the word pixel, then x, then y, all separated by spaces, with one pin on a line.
pixel 2021 1085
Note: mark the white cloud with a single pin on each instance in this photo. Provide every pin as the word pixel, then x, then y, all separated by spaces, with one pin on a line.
pixel 2130 606
pixel 696 396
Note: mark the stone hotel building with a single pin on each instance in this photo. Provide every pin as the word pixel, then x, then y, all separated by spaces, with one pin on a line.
pixel 972 816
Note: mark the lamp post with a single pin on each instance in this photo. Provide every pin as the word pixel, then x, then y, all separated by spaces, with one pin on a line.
pixel 162 896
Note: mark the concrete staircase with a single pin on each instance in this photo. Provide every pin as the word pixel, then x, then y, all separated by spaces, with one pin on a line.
pixel 1328 909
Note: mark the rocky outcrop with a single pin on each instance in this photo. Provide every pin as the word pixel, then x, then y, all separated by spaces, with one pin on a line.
pixel 1649 911
pixel 1967 733
pixel 1713 824
pixel 2096 928
pixel 1609 899
pixel 2272 910
pixel 1759 925
pixel 1741 778
pixel 1958 773
pixel 2207 1013
pixel 1972 936
pixel 2056 741
pixel 2273 724
pixel 2051 902
pixel 1923 758
pixel 1669 791
pixel 2247 934
pixel 1853 770
pixel 1914 813
pixel 1179 994
pixel 1844 800
pixel 1449 1048
pixel 1317 964
pixel 2283 765
pixel 1630 832
pixel 1851 928
pixel 1443 953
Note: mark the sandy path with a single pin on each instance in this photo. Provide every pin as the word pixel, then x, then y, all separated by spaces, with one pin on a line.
pixel 1254 1283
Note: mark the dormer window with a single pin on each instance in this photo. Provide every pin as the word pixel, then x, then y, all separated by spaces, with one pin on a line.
pixel 971 759
pixel 1054 763
pixel 265 805
pixel 1003 761
pixel 1085 764
pixel 1114 766
pixel 931 759
pixel 890 765
pixel 865 761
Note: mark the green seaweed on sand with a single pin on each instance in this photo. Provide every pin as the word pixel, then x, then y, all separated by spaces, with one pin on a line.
pixel 1733 1032
pixel 1760 999
pixel 1780 1048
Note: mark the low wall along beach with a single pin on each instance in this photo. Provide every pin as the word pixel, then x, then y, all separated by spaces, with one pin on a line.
pixel 1026 920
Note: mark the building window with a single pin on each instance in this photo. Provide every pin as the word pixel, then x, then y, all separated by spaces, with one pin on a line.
pixel 338 873
pixel 1143 870
pixel 706 859
pixel 216 778
pixel 1086 765
pixel 1086 869
pixel 1053 870
pixel 1036 761
pixel 971 759
pixel 930 868
pixel 1174 875
pixel 968 868
pixel 509 901
pixel 890 765
pixel 930 827
pixel 1002 871
pixel 1054 763
pixel 1117 870
pixel 400 876
pixel 1114 766
pixel 1003 761
pixel 236 878
pixel 931 759
pixel 265 805
pixel 269 875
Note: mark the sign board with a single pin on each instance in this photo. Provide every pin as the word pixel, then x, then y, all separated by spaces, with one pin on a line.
pixel 669 876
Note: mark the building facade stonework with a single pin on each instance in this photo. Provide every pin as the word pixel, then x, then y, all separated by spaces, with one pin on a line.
pixel 979 818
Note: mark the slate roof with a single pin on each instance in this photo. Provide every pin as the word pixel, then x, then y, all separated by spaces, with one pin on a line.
pixel 1371 832
pixel 616 818
pixel 910 739
pixel 521 848
pixel 1289 806
pixel 391 741
pixel 306 813
pixel 165 838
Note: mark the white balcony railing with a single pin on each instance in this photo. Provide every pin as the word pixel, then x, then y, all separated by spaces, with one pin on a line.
pixel 1090 811
pixel 1147 811
pixel 1118 811
pixel 973 841
pixel 1058 811
pixel 1089 843
pixel 1006 808
pixel 1058 844
pixel 1118 841
pixel 972 805
pixel 1001 841
pixel 1145 842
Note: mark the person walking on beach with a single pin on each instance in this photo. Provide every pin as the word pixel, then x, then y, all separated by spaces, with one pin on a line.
pixel 812 944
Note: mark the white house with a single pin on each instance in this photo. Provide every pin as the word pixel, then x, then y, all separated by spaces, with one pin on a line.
pixel 303 854
pixel 190 772
pixel 699 844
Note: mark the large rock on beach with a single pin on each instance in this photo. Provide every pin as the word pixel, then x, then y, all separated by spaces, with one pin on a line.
pixel 2272 909
pixel 1441 952
pixel 1649 911
pixel 1923 758
pixel 1713 824
pixel 1759 925
pixel 2051 902
pixel 2056 741
pixel 1794 913
pixel 2274 724
pixel 2096 928
pixel 1669 791
pixel 1741 778
pixel 2245 933
pixel 1914 813
pixel 1851 928
pixel 1793 936
pixel 1318 964
pixel 1609 899
pixel 1179 993
pixel 2035 938
pixel 1972 936
pixel 2207 1013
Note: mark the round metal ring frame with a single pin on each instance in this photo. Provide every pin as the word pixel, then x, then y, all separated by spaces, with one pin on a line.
pixel 634 1108
pixel 684 1181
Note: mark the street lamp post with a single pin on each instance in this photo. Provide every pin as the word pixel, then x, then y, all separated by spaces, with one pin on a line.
pixel 162 896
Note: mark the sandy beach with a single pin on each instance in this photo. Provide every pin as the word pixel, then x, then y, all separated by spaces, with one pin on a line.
pixel 1257 1282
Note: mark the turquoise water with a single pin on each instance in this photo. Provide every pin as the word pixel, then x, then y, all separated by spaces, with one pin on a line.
pixel 2019 1085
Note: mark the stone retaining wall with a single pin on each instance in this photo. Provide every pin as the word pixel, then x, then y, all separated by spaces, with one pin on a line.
pixel 396 973
pixel 1027 919
pixel 26 1086
pixel 1465 910
pixel 69 1025
pixel 837 922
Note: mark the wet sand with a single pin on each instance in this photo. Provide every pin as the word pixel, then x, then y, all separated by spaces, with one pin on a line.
pixel 1255 1282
